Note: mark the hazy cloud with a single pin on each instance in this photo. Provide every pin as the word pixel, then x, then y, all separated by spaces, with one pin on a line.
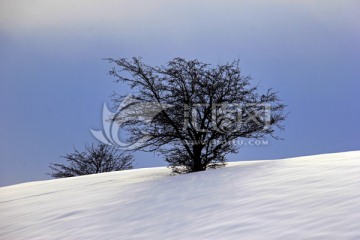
pixel 23 15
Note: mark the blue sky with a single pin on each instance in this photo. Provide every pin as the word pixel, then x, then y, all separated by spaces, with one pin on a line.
pixel 53 81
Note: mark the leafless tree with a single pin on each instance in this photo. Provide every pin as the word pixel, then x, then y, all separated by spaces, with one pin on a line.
pixel 95 159
pixel 204 109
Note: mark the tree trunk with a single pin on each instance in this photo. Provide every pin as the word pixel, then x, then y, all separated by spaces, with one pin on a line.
pixel 198 166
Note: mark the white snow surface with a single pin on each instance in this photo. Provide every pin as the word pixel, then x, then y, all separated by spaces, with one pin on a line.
pixel 313 197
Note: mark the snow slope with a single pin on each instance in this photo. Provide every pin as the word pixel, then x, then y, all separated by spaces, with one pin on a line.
pixel 314 197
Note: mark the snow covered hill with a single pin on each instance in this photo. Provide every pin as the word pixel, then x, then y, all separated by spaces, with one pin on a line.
pixel 314 197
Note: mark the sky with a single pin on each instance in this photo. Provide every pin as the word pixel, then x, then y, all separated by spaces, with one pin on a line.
pixel 54 81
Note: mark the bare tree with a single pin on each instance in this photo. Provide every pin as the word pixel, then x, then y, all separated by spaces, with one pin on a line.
pixel 95 159
pixel 204 110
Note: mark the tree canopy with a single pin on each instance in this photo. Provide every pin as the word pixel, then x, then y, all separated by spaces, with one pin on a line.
pixel 204 108
pixel 95 159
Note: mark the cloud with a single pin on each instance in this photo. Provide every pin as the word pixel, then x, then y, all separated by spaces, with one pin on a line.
pixel 20 15
pixel 304 27
pixel 43 15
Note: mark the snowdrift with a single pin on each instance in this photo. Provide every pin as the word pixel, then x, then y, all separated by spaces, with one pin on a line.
pixel 314 197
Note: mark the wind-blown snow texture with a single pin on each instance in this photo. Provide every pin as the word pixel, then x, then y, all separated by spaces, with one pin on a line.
pixel 315 197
